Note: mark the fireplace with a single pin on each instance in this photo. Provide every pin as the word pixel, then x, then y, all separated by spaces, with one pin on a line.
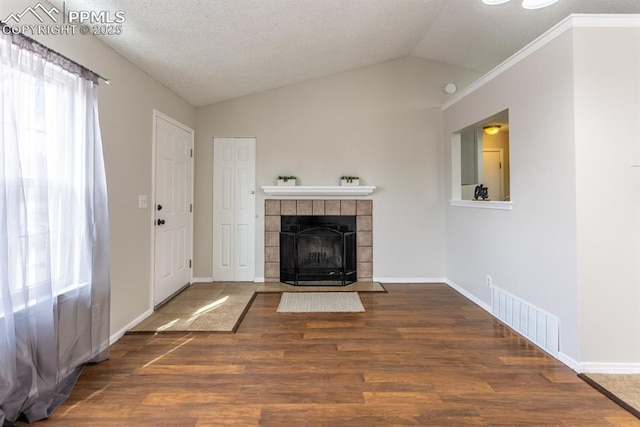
pixel 275 209
pixel 318 250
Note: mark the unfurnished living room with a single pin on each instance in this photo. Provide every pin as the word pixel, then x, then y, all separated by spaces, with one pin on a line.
pixel 320 212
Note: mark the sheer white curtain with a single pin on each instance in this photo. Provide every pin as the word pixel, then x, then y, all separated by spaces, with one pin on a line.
pixel 54 272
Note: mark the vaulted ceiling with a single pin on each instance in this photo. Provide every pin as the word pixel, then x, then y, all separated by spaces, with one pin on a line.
pixel 212 50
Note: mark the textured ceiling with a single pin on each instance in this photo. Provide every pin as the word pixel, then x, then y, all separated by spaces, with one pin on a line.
pixel 211 50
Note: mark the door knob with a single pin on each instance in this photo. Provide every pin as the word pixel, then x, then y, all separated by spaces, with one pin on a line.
pixel 159 207
pixel 161 222
pixel 253 192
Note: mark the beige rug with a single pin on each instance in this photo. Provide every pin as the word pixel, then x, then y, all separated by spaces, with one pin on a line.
pixel 220 307
pixel 320 302
pixel 624 389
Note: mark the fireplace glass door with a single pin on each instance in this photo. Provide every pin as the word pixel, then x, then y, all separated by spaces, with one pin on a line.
pixel 324 253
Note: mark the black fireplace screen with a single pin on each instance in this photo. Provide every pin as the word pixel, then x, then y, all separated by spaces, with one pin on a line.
pixel 318 249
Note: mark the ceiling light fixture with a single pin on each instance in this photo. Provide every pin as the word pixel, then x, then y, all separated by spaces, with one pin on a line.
pixel 491 129
pixel 527 4
pixel 537 4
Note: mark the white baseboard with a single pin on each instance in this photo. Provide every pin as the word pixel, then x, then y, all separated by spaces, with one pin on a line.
pixel 201 279
pixel 258 280
pixel 610 368
pixel 417 280
pixel 573 364
pixel 469 295
pixel 116 336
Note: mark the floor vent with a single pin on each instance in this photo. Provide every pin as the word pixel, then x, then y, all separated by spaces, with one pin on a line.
pixel 533 323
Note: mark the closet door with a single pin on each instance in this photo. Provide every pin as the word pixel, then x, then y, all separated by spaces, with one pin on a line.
pixel 234 209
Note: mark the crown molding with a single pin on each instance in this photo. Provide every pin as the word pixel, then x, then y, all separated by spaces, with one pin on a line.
pixel 571 21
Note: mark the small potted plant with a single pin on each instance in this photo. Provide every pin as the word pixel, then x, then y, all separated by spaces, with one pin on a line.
pixel 349 180
pixel 287 180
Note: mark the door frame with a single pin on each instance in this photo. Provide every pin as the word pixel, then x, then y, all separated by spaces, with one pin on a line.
pixel 158 114
pixel 501 154
pixel 213 176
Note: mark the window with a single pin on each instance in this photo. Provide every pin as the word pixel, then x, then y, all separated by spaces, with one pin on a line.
pixel 52 179
pixel 49 184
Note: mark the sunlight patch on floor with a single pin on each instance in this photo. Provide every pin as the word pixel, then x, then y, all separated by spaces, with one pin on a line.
pixel 86 399
pixel 166 353
pixel 168 325
pixel 209 307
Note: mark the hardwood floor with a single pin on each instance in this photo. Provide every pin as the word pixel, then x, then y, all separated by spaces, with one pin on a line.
pixel 419 355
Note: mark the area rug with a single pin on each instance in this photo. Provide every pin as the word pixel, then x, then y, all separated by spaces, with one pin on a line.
pixel 320 302
pixel 622 389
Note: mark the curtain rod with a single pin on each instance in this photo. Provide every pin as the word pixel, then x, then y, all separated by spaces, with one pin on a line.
pixel 42 48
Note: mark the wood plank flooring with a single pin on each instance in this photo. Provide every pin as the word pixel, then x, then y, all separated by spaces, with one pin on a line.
pixel 419 355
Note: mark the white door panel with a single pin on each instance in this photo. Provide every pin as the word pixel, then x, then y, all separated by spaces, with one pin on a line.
pixel 234 209
pixel 223 209
pixel 225 248
pixel 172 209
pixel 243 246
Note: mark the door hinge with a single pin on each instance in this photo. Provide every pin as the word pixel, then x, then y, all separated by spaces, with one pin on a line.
pixel 189 263
pixel 190 207
pixel 192 153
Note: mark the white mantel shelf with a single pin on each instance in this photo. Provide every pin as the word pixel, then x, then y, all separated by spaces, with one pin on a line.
pixel 318 190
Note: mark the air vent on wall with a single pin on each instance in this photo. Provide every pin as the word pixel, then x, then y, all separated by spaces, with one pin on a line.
pixel 533 323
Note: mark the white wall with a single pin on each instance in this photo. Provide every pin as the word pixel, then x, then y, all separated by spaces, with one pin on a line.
pixel 381 123
pixel 529 251
pixel 126 108
pixel 571 244
pixel 607 106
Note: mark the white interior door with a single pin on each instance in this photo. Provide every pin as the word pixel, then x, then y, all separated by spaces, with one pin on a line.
pixel 234 209
pixel 493 173
pixel 172 209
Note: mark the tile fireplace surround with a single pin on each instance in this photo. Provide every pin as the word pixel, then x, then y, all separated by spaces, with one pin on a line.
pixel 364 226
